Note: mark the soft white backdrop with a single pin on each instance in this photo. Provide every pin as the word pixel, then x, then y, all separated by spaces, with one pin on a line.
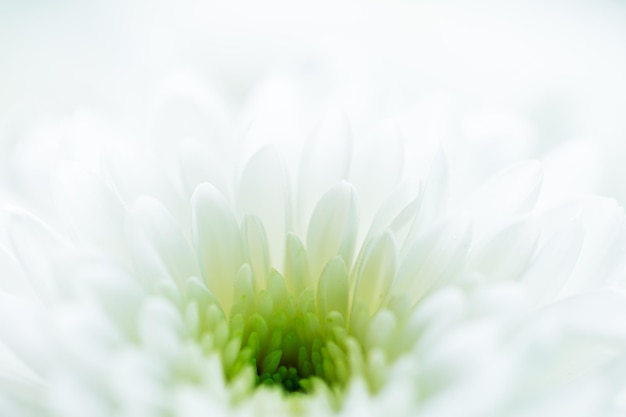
pixel 513 79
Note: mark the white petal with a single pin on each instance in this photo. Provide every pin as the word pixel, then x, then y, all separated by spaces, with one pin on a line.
pixel 133 171
pixel 264 191
pixel 433 202
pixel 507 254
pixel 275 114
pixel 160 328
pixel 91 208
pixel 244 291
pixel 512 192
pixel 378 167
pixel 20 394
pixel 70 396
pixel 572 169
pixel 434 315
pixel 381 331
pixel 333 286
pixel 332 229
pixel 256 248
pixel 158 246
pixel 376 272
pixel 467 367
pixel 34 245
pixel 553 264
pixel 297 272
pixel 602 259
pixel 138 385
pixel 107 286
pixel 398 211
pixel 199 164
pixel 84 334
pixel 325 162
pixel 184 106
pixel 13 370
pixel 504 300
pixel 192 401
pixel 25 329
pixel 217 240
pixel 12 278
pixel 591 315
pixel 433 259
pixel 572 339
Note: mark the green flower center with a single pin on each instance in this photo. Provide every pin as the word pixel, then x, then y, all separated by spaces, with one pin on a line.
pixel 285 339
pixel 298 334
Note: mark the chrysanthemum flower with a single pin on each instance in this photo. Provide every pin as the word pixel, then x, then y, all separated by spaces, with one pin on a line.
pixel 168 283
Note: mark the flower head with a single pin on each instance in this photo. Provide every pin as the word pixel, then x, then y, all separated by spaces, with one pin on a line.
pixel 167 283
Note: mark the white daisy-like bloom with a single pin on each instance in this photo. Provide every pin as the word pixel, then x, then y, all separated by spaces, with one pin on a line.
pixel 178 275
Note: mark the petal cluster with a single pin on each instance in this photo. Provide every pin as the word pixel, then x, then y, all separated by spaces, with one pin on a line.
pixel 166 282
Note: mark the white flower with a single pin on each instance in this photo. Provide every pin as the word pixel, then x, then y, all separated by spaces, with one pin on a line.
pixel 168 283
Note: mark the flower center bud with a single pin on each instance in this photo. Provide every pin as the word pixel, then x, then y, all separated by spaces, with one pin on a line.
pixel 285 339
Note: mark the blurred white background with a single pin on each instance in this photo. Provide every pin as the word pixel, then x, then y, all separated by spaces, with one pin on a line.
pixel 541 79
